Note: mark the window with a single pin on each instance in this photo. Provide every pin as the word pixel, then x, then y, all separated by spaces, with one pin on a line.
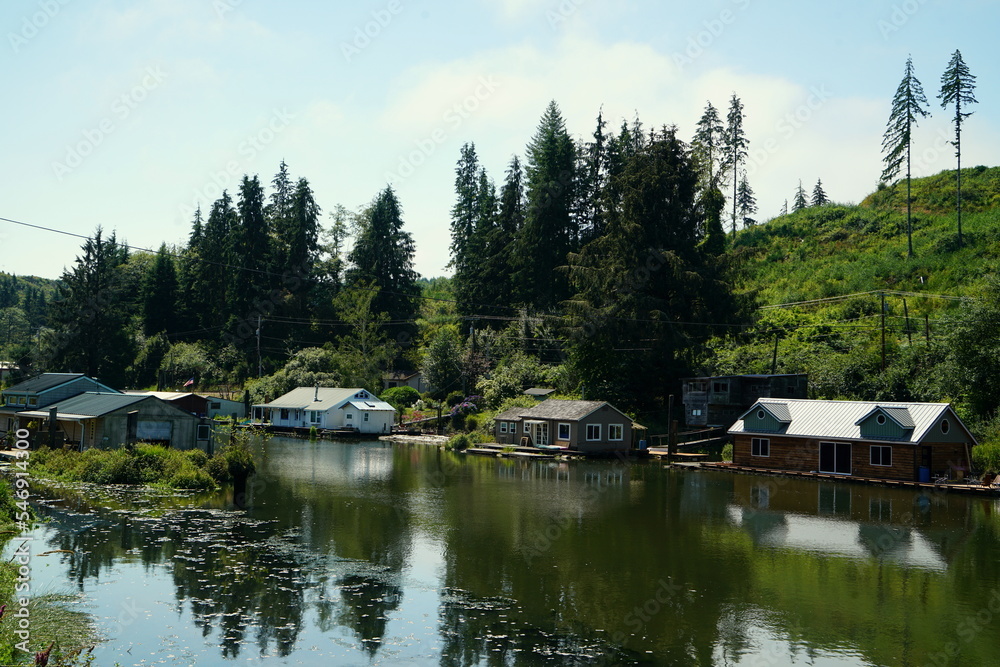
pixel 503 427
pixel 696 412
pixel 761 414
pixel 349 416
pixel 366 416
pixel 945 426
pixel 760 447
pixel 564 430
pixel 593 431
pixel 314 416
pixel 880 420
pixel 527 427
pixel 616 432
pixel 881 455
pixel 720 387
pixel 284 413
pixel 33 401
pixel 215 405
pixel 204 432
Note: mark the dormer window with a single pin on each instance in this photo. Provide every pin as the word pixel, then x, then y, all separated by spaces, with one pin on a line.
pixel 880 420
pixel 761 415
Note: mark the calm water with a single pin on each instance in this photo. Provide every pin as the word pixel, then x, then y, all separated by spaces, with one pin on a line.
pixel 376 554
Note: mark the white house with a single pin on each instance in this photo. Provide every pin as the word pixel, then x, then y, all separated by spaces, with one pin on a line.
pixel 329 408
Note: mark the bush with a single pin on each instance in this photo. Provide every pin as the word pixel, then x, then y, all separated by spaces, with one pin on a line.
pixel 454 398
pixel 194 478
pixel 986 457
pixel 459 442
pixel 401 397
pixel 727 452
pixel 471 423
pixel 218 468
pixel 458 421
pixel 197 457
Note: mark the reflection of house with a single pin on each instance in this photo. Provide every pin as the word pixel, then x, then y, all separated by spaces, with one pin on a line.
pixel 415 380
pixel 104 420
pixel 44 390
pixel 585 426
pixel 905 441
pixel 718 401
pixel 329 408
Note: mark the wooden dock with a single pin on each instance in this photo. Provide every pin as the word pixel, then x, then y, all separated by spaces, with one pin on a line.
pixel 511 451
pixel 687 457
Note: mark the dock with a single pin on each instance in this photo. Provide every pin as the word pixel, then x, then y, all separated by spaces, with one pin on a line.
pixel 511 451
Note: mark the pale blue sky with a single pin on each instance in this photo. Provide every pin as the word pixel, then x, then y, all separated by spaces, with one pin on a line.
pixel 128 114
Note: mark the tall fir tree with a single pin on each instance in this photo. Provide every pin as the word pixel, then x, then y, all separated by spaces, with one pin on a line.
pixel 497 275
pixel 736 145
pixel 383 256
pixel 249 252
pixel 958 87
pixel 819 195
pixel 547 235
pixel 464 217
pixel 784 208
pixel 746 202
pixel 159 295
pixel 708 146
pixel 592 173
pixel 799 202
pixel 908 104
pixel 91 313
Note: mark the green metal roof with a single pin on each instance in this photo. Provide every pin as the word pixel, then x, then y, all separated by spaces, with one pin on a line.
pixel 91 404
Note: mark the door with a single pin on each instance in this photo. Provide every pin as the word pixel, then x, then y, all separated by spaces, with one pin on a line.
pixel 541 433
pixel 835 457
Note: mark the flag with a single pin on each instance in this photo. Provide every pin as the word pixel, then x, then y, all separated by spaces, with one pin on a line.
pixel 189 382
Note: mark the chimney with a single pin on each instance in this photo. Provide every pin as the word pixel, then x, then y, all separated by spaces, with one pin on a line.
pixel 316 395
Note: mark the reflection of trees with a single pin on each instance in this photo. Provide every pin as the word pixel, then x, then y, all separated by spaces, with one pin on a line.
pixel 367 605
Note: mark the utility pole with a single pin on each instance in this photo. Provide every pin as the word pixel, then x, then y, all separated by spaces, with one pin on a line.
pixel 882 294
pixel 260 366
pixel 906 313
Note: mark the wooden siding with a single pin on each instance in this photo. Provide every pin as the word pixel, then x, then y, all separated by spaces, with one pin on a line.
pixel 802 454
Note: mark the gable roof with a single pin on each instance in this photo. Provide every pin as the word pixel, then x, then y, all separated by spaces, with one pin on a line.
pixel 88 405
pixel 841 420
pixel 304 398
pixel 899 415
pixel 44 382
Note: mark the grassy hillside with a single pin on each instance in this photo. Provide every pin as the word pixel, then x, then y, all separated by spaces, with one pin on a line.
pixel 835 250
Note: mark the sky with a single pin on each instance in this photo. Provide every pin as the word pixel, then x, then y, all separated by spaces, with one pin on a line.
pixel 129 115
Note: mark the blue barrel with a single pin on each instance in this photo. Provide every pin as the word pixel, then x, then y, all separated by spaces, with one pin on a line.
pixel 642 445
pixel 923 474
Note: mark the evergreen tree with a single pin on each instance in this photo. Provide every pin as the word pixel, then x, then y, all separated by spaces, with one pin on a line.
pixel 958 87
pixel 91 315
pixel 712 204
pixel 249 250
pixel 383 256
pixel 159 295
pixel 908 104
pixel 636 284
pixel 819 196
pixel 279 217
pixel 746 202
pixel 298 270
pixel 799 202
pixel 546 237
pixel 464 221
pixel 213 280
pixel 736 144
pixel 496 277
pixel 708 146
pixel 784 208
pixel 592 173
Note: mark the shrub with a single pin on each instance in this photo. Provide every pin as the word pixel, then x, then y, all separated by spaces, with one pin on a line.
pixel 192 478
pixel 454 398
pixel 986 457
pixel 471 423
pixel 218 468
pixel 459 442
pixel 727 452
pixel 401 397
pixel 458 421
pixel 197 457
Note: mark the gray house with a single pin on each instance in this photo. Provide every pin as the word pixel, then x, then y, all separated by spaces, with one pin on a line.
pixel 44 390
pixel 718 401
pixel 588 427
pixel 108 420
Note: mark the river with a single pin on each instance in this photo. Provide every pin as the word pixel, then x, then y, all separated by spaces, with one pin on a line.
pixel 377 554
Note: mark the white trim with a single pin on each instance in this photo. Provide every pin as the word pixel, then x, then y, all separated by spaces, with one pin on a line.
pixel 621 432
pixel 598 427
pixel 569 431
pixel 766 442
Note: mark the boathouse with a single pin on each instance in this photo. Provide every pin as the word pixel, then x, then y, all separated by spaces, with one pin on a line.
pixel 882 440
pixel 44 390
pixel 589 427
pixel 328 408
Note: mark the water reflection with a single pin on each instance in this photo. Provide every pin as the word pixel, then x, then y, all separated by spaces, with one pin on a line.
pixel 411 555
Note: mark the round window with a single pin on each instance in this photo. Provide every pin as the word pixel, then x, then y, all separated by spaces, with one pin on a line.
pixel 880 420
pixel 760 414
pixel 945 426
